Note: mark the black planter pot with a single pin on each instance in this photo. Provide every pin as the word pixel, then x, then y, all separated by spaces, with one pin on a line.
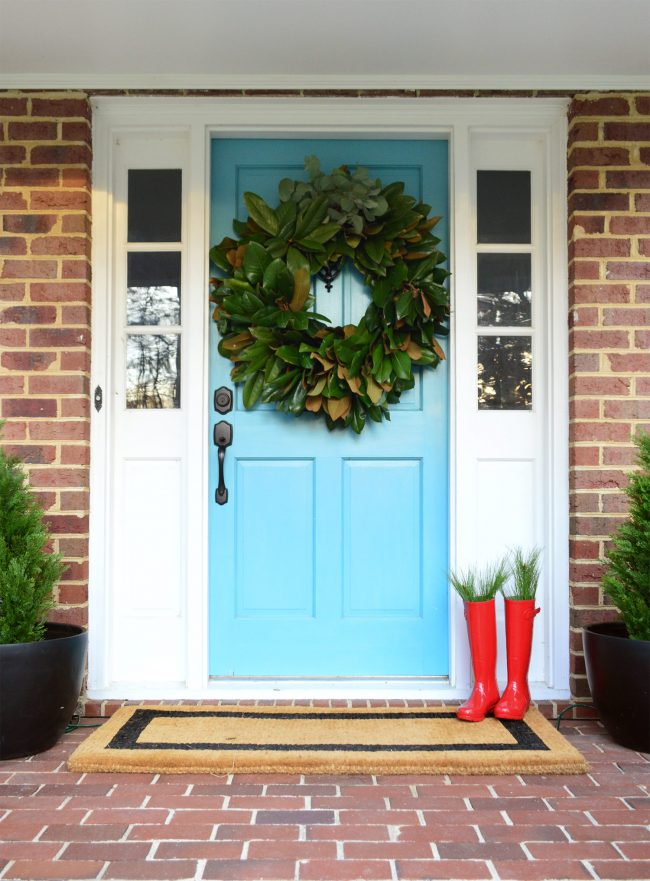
pixel 618 670
pixel 39 689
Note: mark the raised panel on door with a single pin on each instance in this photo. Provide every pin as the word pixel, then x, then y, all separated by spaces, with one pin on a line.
pixel 330 557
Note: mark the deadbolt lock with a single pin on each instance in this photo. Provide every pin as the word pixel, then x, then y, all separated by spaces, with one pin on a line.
pixel 223 400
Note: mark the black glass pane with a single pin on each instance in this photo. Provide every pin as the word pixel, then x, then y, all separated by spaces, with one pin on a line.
pixel 154 205
pixel 503 206
pixel 153 371
pixel 153 293
pixel 504 289
pixel 504 373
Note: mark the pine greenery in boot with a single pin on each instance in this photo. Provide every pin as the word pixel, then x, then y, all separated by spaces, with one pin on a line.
pixel 28 573
pixel 476 586
pixel 627 580
pixel 525 572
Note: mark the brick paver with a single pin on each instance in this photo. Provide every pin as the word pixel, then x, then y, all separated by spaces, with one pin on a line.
pixel 62 826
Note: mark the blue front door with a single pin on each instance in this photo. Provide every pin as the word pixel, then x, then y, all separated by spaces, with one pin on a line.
pixel 330 557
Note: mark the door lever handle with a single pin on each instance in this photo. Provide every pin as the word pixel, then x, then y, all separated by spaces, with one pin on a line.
pixel 222 440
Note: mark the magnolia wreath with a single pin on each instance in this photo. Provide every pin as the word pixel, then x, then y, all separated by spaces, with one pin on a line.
pixel 285 353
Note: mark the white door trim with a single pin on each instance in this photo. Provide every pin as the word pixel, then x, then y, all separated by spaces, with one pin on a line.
pixel 199 119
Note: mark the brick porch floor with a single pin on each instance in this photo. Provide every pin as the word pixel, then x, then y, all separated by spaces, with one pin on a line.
pixel 58 825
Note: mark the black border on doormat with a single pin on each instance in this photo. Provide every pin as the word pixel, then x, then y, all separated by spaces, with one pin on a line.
pixel 127 737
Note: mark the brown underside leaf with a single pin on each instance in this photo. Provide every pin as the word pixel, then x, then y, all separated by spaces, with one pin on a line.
pixel 355 383
pixel 301 282
pixel 326 364
pixel 236 256
pixel 437 349
pixel 234 344
pixel 313 404
pixel 414 351
pixel 338 408
pixel 373 390
pixel 318 387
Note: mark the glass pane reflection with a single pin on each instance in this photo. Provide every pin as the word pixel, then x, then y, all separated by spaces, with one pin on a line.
pixel 504 290
pixel 153 371
pixel 503 206
pixel 504 373
pixel 153 288
pixel 154 201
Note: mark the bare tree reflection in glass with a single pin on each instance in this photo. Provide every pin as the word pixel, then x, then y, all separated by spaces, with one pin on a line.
pixel 153 305
pixel 153 288
pixel 153 371
pixel 504 373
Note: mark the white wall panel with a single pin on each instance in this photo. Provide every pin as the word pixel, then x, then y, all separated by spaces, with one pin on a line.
pixel 151 536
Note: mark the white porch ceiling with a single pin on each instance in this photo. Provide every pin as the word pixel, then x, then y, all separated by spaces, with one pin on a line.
pixel 223 44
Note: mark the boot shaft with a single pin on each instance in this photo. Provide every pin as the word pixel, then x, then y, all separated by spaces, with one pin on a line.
pixel 482 633
pixel 520 617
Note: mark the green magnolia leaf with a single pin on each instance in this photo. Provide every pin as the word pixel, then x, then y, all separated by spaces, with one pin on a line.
pixel 273 369
pixel 377 358
pixel 296 261
pixel 311 217
pixel 357 361
pixel 286 188
pixel 262 214
pixel 392 191
pixel 218 257
pixel 381 292
pixel 311 245
pixel 292 356
pixel 401 365
pixel 386 370
pixel 240 227
pixel 357 419
pixel 252 390
pixel 398 275
pixel 286 213
pixel 324 232
pixel 403 303
pixel 256 259
pixel 375 249
pixel 297 402
pixel 277 278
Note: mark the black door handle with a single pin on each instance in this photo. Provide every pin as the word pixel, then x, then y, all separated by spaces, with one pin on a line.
pixel 222 440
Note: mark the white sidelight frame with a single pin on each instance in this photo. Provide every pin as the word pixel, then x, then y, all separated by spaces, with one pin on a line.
pixel 538 126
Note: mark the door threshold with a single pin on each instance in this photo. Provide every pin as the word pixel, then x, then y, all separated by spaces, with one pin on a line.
pixel 424 688
pixel 342 688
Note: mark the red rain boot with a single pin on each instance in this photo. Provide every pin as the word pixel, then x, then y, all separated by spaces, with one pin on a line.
pixel 482 632
pixel 520 616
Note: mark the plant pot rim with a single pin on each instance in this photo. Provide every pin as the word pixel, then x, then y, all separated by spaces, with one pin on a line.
pixel 54 630
pixel 610 630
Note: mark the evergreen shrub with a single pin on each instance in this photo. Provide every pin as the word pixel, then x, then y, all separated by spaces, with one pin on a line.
pixel 28 572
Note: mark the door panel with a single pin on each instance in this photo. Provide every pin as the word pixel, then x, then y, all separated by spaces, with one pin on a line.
pixel 330 557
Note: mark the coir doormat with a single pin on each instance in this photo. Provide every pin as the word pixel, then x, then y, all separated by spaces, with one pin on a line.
pixel 315 740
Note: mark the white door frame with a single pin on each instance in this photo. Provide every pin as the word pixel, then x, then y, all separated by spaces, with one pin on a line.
pixel 464 122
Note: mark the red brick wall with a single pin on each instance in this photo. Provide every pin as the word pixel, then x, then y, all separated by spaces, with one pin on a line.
pixel 609 247
pixel 45 158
